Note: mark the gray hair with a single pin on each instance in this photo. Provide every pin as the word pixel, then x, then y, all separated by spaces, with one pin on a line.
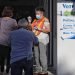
pixel 22 22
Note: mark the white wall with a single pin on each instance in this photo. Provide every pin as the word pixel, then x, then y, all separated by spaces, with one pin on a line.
pixel 65 53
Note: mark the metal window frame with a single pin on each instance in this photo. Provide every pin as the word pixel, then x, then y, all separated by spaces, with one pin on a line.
pixel 52 13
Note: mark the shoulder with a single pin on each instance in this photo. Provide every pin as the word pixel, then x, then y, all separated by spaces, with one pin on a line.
pixel 46 22
pixel 14 22
pixel 13 19
pixel 31 32
pixel 34 20
pixel 46 19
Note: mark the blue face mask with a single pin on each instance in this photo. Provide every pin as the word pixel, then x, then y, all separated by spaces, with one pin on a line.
pixel 38 16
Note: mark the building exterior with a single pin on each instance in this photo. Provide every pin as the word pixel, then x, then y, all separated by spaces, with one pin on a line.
pixel 25 7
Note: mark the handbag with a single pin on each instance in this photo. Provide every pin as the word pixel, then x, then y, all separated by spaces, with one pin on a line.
pixel 43 38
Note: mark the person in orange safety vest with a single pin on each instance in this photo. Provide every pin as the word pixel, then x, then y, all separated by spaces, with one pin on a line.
pixel 41 27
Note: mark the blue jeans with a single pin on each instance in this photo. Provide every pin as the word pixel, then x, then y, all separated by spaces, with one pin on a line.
pixel 19 66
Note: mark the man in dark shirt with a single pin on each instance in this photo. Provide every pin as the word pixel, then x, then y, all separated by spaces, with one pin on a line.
pixel 22 41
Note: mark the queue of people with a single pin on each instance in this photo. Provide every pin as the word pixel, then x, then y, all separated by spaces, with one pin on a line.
pixel 17 40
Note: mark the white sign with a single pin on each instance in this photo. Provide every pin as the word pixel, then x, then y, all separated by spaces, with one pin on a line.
pixel 66 38
pixel 67 13
pixel 67 27
pixel 66 9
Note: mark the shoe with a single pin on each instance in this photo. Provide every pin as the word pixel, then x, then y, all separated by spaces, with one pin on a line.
pixel 38 69
pixel 35 73
pixel 49 73
pixel 43 73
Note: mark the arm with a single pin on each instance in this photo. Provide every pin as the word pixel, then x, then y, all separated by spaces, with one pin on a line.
pixel 47 27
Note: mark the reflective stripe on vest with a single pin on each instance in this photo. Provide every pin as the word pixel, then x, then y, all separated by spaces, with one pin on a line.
pixel 38 24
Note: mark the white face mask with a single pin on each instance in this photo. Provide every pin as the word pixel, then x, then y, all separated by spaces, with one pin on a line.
pixel 38 16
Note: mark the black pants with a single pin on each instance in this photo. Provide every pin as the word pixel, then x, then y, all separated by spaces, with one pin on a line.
pixel 4 55
pixel 17 67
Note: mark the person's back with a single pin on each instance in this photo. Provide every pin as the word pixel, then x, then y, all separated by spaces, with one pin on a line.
pixel 7 25
pixel 21 43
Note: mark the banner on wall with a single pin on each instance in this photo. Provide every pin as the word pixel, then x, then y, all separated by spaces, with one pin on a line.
pixel 66 12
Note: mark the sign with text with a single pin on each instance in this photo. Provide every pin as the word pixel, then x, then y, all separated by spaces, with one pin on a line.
pixel 67 13
pixel 66 38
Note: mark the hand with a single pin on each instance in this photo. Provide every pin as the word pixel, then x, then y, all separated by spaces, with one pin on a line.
pixel 39 29
pixel 29 19
pixel 35 28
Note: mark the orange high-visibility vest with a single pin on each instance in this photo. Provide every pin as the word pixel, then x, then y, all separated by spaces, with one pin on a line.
pixel 38 24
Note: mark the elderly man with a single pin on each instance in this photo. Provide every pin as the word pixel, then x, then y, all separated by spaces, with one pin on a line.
pixel 21 41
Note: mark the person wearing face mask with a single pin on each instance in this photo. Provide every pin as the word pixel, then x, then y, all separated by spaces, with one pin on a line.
pixel 41 28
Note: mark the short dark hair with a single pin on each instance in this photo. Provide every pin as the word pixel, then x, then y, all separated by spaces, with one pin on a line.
pixel 7 11
pixel 40 9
